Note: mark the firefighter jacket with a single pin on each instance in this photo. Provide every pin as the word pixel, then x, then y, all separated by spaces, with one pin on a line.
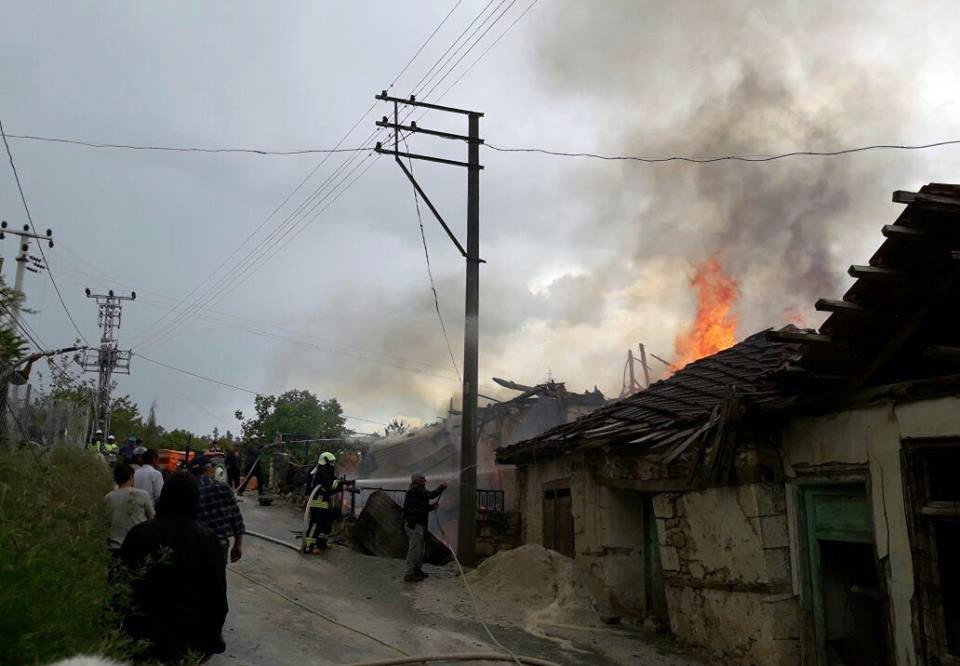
pixel 326 484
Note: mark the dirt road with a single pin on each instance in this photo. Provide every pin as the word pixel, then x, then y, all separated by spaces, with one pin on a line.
pixel 283 609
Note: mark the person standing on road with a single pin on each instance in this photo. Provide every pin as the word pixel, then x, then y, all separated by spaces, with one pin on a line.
pixel 148 476
pixel 218 509
pixel 416 510
pixel 325 487
pixel 232 462
pixel 180 583
pixel 127 506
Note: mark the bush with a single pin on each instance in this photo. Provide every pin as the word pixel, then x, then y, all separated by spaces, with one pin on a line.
pixel 55 600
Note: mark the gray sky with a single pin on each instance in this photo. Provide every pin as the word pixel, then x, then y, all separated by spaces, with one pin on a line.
pixel 584 258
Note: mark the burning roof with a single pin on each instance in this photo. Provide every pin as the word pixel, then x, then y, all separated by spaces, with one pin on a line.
pixel 897 323
pixel 671 409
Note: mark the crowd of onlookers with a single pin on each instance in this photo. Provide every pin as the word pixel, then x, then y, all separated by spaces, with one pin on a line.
pixel 171 539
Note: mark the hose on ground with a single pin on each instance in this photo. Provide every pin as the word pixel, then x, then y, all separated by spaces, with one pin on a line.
pixel 318 613
pixel 279 542
pixel 455 656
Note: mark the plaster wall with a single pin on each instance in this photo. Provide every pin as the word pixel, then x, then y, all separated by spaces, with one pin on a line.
pixel 870 437
pixel 725 556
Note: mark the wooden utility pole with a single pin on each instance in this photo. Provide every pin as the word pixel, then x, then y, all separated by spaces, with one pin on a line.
pixel 467 520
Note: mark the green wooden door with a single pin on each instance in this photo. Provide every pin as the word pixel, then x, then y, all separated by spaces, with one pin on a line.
pixel 832 514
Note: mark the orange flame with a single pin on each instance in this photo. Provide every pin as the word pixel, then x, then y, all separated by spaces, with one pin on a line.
pixel 715 327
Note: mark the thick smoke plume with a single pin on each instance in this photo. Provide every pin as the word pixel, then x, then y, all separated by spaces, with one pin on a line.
pixel 682 78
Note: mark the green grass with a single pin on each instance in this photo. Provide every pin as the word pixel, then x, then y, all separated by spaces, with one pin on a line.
pixel 54 596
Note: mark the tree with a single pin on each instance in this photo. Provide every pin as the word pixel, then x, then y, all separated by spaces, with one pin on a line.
pixel 12 346
pixel 296 414
pixel 125 419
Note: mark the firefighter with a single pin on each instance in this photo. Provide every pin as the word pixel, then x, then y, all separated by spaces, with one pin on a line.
pixel 110 449
pixel 321 504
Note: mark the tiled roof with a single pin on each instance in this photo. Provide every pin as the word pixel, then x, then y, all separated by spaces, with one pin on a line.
pixel 671 409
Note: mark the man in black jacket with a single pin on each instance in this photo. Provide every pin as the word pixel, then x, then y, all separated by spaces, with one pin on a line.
pixel 416 509
pixel 179 578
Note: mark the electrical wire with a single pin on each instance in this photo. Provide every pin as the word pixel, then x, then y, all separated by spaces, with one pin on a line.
pixel 424 45
pixel 227 278
pixel 233 386
pixel 433 284
pixel 26 208
pixel 472 46
pixel 445 66
pixel 183 149
pixel 453 44
pixel 487 50
pixel 726 158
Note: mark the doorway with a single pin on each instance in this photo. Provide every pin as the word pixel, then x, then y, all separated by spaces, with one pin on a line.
pixel 844 593
pixel 558 517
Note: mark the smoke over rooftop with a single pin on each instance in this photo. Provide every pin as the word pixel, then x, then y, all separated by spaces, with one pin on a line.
pixel 696 79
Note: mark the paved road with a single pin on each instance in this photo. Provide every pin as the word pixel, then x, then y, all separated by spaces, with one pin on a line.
pixel 282 604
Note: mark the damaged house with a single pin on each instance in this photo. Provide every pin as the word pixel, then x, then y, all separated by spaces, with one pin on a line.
pixel 792 499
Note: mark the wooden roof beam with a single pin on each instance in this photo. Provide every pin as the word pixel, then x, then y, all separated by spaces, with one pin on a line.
pixel 803 337
pixel 901 232
pixel 942 353
pixel 907 197
pixel 880 272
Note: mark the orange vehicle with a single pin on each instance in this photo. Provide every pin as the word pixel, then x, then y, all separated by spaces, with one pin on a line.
pixel 172 461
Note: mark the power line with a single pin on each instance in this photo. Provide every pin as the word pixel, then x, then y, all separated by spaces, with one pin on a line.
pixel 224 281
pixel 26 208
pixel 474 45
pixel 424 45
pixel 233 386
pixel 487 50
pixel 182 149
pixel 728 158
pixel 433 284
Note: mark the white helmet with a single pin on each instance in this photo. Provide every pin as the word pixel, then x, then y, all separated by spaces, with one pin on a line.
pixel 111 438
pixel 327 458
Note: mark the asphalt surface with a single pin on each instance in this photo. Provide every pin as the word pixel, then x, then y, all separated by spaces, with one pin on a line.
pixel 342 607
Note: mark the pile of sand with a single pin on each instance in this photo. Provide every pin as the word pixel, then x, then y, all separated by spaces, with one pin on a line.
pixel 529 586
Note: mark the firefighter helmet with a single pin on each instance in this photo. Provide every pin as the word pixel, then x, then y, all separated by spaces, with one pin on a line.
pixel 327 458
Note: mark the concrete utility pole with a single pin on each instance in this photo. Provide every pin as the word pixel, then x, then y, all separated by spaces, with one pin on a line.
pixel 467 521
pixel 107 359
pixel 23 258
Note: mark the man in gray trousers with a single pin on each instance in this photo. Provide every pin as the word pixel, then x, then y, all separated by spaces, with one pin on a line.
pixel 416 509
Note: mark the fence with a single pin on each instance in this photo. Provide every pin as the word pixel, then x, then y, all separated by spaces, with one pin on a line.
pixel 48 422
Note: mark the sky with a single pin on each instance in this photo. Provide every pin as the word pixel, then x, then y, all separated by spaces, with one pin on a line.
pixel 585 258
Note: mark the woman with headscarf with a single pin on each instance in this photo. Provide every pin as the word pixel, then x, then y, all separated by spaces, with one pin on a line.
pixel 178 578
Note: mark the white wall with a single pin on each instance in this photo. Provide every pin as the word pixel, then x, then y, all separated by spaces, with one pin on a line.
pixel 871 436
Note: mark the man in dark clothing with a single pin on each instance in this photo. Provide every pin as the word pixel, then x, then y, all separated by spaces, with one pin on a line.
pixel 179 578
pixel 253 468
pixel 218 509
pixel 416 509
pixel 232 462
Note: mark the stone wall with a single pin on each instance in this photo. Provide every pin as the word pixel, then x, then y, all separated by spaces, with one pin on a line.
pixel 496 531
pixel 725 554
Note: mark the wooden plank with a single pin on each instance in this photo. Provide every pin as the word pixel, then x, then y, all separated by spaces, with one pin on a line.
pixel 901 232
pixel 942 353
pixel 880 272
pixel 802 337
pixel 832 305
pixel 941 509
pixel 907 197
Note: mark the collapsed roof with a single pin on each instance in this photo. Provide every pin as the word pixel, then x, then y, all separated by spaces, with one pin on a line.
pixel 896 323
